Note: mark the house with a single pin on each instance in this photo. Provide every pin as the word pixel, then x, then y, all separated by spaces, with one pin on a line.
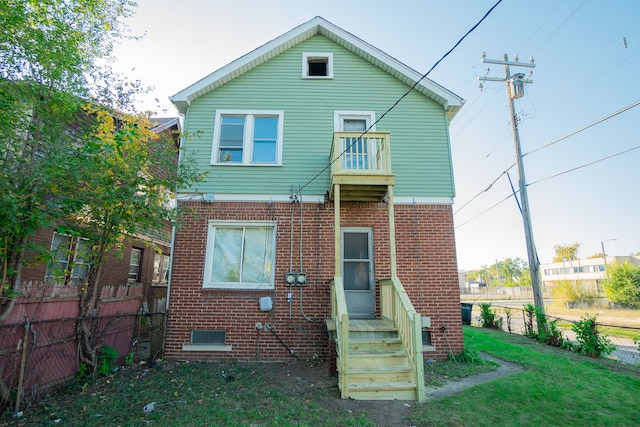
pixel 320 230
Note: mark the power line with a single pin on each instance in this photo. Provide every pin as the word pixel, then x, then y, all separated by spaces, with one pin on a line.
pixel 628 107
pixel 538 181
pixel 585 165
pixel 424 76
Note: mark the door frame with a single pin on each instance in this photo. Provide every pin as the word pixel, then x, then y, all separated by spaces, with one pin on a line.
pixel 370 312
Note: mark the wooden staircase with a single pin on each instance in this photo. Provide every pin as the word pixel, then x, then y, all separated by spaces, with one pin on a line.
pixel 378 366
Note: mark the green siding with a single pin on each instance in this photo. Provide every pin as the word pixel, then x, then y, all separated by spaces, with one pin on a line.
pixel 421 156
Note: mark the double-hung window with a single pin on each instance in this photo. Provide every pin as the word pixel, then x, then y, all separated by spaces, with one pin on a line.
pixel 248 138
pixel 240 255
pixel 160 269
pixel 70 260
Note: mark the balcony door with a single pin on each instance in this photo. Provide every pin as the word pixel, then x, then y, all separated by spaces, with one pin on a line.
pixel 357 272
pixel 357 151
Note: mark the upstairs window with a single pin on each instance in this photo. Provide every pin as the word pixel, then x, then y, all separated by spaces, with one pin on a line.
pixel 248 138
pixel 317 65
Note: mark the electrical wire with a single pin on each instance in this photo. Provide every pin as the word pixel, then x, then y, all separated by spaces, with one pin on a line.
pixel 548 178
pixel 584 165
pixel 555 141
pixel 424 76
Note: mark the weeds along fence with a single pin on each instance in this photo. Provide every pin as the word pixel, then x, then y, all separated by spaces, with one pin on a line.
pixel 625 339
pixel 36 356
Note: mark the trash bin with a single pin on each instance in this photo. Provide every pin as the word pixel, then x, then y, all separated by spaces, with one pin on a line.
pixel 466 312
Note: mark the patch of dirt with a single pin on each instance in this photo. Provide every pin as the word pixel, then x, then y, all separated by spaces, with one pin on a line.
pixel 306 375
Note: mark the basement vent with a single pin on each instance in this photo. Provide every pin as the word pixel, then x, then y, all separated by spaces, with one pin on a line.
pixel 426 338
pixel 208 337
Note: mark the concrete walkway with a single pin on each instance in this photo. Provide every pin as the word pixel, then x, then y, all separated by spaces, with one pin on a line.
pixel 453 387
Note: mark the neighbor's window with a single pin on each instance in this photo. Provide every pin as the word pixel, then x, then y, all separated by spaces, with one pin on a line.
pixel 240 255
pixel 70 260
pixel 135 262
pixel 248 138
pixel 160 269
pixel 317 65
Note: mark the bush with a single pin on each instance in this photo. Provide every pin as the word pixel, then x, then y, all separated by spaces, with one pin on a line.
pixel 488 318
pixel 108 356
pixel 623 285
pixel 568 291
pixel 590 342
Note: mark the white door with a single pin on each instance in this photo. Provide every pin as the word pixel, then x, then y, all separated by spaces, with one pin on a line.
pixel 357 272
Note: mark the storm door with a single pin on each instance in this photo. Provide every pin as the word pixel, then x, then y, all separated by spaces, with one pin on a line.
pixel 357 272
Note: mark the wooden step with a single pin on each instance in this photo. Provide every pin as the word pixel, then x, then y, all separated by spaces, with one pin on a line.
pixel 395 390
pixel 389 358
pixel 377 374
pixel 374 345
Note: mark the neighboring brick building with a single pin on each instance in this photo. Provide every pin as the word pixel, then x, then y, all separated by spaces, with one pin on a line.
pixel 301 222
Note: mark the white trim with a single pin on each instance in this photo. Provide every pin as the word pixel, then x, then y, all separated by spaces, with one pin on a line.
pixel 340 115
pixel 207 284
pixel 306 56
pixel 423 200
pixel 247 146
pixel 206 347
pixel 310 198
pixel 276 198
pixel 450 102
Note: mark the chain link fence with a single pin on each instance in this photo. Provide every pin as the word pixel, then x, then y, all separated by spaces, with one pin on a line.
pixel 625 339
pixel 38 356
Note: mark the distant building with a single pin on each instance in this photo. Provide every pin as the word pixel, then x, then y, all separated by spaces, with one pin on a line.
pixel 588 272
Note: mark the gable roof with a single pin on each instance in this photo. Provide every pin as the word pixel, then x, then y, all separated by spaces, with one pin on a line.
pixel 319 26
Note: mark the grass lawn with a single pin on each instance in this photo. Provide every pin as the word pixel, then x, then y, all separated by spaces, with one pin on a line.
pixel 556 388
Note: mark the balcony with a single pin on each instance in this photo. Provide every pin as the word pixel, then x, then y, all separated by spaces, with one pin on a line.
pixel 361 166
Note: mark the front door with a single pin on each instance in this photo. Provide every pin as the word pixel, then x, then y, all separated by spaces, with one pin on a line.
pixel 357 272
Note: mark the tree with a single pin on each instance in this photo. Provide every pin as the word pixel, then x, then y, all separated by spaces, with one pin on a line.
pixel 566 252
pixel 70 159
pixel 623 285
pixel 48 54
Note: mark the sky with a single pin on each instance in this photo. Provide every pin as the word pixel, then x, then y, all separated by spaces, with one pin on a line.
pixel 582 189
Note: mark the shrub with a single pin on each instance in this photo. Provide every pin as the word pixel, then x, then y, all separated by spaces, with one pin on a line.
pixel 107 357
pixel 590 341
pixel 488 318
pixel 568 291
pixel 623 285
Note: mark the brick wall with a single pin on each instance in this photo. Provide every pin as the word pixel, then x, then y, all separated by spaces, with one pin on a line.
pixel 427 268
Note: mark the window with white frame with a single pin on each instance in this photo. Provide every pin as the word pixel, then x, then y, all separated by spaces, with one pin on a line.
pixel 70 260
pixel 240 255
pixel 357 151
pixel 135 264
pixel 160 269
pixel 248 138
pixel 317 65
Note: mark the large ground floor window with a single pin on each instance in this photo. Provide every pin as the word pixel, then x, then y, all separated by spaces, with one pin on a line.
pixel 240 255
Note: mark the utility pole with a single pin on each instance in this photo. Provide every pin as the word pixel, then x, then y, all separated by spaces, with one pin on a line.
pixel 515 90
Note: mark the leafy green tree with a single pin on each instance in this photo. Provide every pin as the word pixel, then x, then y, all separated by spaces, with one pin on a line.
pixel 48 55
pixel 566 252
pixel 70 159
pixel 623 285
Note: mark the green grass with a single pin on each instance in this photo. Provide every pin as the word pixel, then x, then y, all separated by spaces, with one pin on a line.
pixel 556 388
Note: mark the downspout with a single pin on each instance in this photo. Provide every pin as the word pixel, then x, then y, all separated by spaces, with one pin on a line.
pixel 173 241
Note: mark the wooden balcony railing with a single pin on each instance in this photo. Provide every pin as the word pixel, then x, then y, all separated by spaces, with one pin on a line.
pixel 362 164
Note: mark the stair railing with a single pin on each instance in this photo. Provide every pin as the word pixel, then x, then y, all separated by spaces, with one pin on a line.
pixel 341 318
pixel 396 306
